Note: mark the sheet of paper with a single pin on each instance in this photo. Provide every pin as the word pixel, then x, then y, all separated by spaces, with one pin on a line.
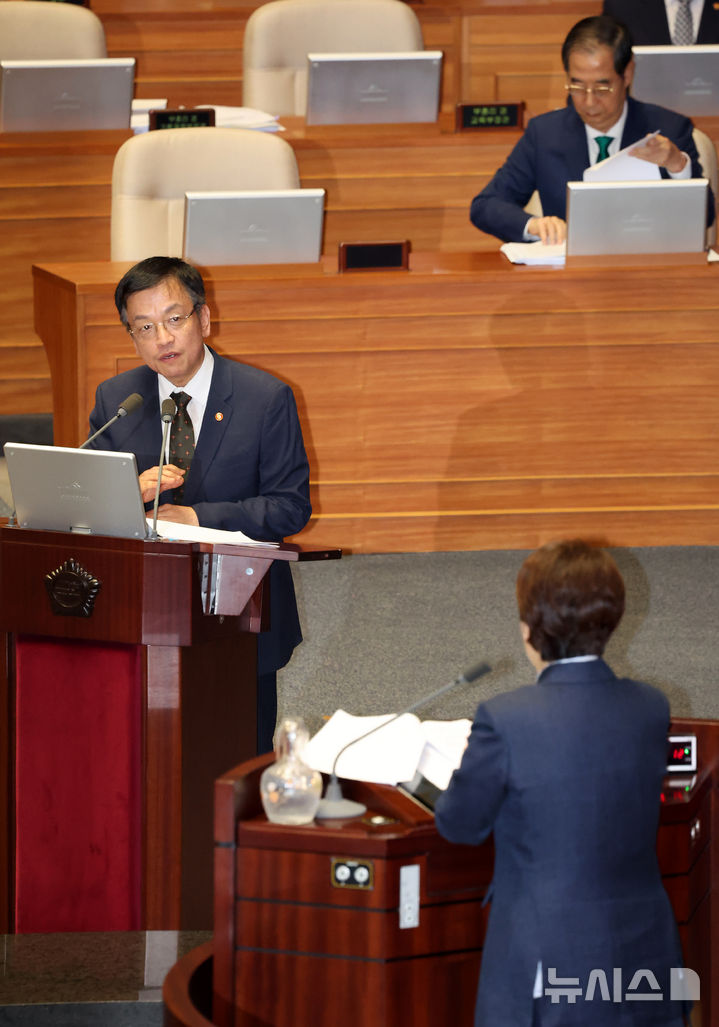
pixel 622 167
pixel 445 745
pixel 393 753
pixel 535 253
pixel 194 533
pixel 388 756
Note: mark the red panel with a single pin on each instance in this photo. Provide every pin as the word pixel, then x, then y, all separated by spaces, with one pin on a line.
pixel 78 786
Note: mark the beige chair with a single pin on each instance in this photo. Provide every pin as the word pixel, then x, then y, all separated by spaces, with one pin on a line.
pixel 152 172
pixel 280 34
pixel 36 30
pixel 707 159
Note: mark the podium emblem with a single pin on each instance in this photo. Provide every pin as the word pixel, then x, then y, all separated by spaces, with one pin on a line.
pixel 72 590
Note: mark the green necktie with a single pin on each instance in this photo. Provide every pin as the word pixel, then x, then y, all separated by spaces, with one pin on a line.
pixel 603 144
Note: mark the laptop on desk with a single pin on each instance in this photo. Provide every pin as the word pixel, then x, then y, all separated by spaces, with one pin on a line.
pixel 276 226
pixel 682 78
pixel 662 216
pixel 57 96
pixel 369 88
pixel 89 491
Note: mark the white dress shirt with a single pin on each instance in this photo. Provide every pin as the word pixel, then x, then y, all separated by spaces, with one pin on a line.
pixel 198 388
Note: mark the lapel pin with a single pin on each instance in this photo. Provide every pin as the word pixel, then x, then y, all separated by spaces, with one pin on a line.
pixel 219 415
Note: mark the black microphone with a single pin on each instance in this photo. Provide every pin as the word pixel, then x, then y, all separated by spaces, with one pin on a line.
pixel 132 403
pixel 167 412
pixel 333 804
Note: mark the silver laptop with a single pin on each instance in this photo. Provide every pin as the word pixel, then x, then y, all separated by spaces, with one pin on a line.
pixel 368 88
pixel 277 226
pixel 636 217
pixel 57 96
pixel 91 491
pixel 683 78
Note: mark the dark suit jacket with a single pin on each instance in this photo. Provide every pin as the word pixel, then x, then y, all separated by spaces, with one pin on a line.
pixel 553 151
pixel 249 472
pixel 648 25
pixel 567 774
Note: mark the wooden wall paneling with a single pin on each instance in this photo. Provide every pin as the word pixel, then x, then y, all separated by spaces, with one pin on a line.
pixel 176 59
pixel 54 199
pixel 442 410
pixel 522 57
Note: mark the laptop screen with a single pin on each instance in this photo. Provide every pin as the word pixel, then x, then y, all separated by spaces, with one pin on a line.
pixel 279 226
pixel 683 78
pixel 662 216
pixel 91 491
pixel 369 88
pixel 56 96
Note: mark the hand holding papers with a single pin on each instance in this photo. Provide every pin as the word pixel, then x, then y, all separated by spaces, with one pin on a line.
pixel 624 166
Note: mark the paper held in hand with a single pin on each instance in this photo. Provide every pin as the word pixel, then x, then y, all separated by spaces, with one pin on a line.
pixel 623 167
pixel 392 754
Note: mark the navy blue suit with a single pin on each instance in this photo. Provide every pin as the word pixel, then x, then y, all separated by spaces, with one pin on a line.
pixel 553 151
pixel 249 472
pixel 648 25
pixel 567 774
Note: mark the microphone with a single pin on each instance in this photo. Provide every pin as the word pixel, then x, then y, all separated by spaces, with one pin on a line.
pixel 128 406
pixel 333 804
pixel 167 412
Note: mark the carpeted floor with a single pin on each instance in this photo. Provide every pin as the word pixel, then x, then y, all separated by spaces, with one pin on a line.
pixel 381 631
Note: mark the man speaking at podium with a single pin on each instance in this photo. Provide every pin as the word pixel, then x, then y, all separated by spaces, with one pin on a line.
pixel 600 119
pixel 237 460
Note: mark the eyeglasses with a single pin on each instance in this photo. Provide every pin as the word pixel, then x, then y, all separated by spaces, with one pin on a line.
pixel 174 325
pixel 574 89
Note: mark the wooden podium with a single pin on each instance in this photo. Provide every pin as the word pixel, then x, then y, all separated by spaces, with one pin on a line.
pixel 299 941
pixel 127 683
pixel 303 910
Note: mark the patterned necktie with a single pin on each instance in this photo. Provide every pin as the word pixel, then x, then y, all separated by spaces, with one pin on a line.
pixel 603 144
pixel 182 440
pixel 683 27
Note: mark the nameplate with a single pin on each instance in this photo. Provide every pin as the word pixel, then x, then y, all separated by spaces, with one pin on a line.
pixel 474 117
pixel 182 117
pixel 374 256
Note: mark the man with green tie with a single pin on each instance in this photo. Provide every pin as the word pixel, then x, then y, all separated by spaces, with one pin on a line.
pixel 599 119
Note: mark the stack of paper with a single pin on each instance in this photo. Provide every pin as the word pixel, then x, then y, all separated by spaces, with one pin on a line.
pixel 244 117
pixel 140 116
pixel 173 532
pixel 552 255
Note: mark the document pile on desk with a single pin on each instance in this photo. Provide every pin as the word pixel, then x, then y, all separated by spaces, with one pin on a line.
pixel 391 754
pixel 172 532
pixel 536 253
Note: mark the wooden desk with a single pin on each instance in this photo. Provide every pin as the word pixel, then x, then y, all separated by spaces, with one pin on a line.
pixel 465 404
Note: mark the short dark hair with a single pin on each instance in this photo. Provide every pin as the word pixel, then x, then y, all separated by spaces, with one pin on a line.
pixel 601 30
pixel 571 597
pixel 153 270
